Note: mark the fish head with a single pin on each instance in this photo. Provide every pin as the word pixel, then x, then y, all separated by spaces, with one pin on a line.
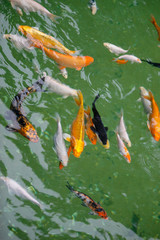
pixel 89 60
pixel 106 145
pixel 78 148
pixel 8 36
pixel 102 213
pixel 156 135
pixel 138 60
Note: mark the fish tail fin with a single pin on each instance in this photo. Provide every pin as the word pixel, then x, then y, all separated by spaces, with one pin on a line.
pixel 54 17
pixel 153 20
pixel 96 98
pixel 69 187
pixel 76 52
pixel 79 99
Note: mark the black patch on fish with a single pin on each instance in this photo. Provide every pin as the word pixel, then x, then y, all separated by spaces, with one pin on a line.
pixel 152 63
pixel 99 127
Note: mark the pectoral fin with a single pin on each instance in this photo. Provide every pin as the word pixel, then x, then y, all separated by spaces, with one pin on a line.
pixel 11 129
pixel 19 11
pixel 69 151
pixel 60 166
pixel 67 137
pixel 83 204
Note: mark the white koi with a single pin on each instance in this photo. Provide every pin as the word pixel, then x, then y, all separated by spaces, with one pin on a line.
pixel 59 88
pixel 146 103
pixel 31 6
pixel 122 148
pixel 130 58
pixel 59 145
pixel 114 49
pixel 15 188
pixel 19 42
pixel 122 131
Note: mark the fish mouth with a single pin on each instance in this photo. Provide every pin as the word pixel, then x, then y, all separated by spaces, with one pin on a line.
pixel 107 145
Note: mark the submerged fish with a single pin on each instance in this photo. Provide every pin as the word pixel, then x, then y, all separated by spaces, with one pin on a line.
pixel 93 6
pixel 114 49
pixel 151 63
pixel 59 88
pixel 59 144
pixel 31 6
pixel 89 202
pixel 154 117
pixel 146 103
pixel 48 41
pixel 125 58
pixel 66 61
pixel 98 127
pixel 15 188
pixel 77 130
pixel 122 148
pixel 20 121
pixel 89 123
pixel 121 129
pixel 19 42
pixel 153 20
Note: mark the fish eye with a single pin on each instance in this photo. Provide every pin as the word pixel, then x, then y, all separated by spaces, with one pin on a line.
pixel 9 38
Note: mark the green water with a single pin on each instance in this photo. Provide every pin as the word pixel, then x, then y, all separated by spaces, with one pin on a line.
pixel 129 193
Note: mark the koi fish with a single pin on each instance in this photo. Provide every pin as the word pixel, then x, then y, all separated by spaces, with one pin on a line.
pixel 146 103
pixel 44 39
pixel 151 63
pixel 89 123
pixel 122 148
pixel 153 20
pixel 98 127
pixel 15 188
pixel 126 58
pixel 31 6
pixel 77 130
pixel 58 87
pixel 154 118
pixel 89 202
pixel 93 6
pixel 59 144
pixel 20 121
pixel 19 42
pixel 114 49
pixel 121 129
pixel 65 61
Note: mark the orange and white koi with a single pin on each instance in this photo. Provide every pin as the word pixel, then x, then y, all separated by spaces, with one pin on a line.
pixel 114 49
pixel 125 58
pixel 146 103
pixel 154 118
pixel 65 61
pixel 89 202
pixel 77 130
pixel 89 123
pixel 59 145
pixel 48 41
pixel 31 6
pixel 153 20
pixel 121 129
pixel 122 148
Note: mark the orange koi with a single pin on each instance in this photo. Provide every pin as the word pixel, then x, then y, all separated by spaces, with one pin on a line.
pixel 122 148
pixel 44 39
pixel 154 118
pixel 89 202
pixel 77 130
pixel 89 123
pixel 64 61
pixel 153 20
